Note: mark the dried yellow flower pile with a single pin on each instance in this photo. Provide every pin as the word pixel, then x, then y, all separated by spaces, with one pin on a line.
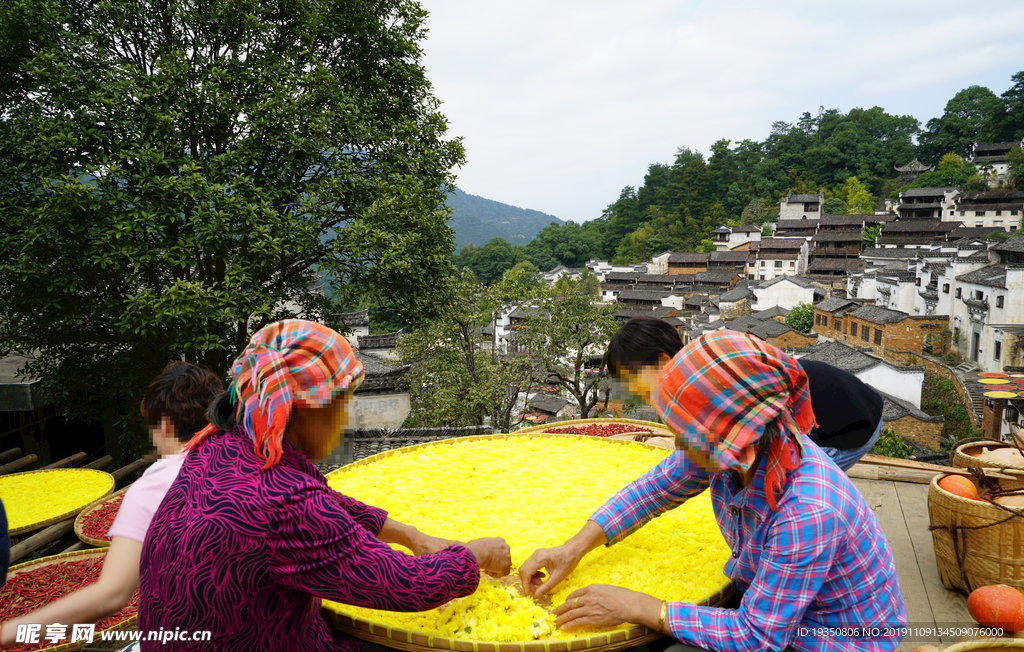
pixel 535 492
pixel 37 497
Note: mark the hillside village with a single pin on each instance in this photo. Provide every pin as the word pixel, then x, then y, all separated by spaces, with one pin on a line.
pixel 941 291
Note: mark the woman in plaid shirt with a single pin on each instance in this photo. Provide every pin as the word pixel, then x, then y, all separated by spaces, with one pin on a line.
pixel 811 561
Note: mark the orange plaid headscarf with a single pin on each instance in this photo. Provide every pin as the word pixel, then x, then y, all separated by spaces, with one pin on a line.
pixel 289 363
pixel 721 390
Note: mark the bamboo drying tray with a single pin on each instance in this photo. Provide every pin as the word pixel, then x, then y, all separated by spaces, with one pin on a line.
pixel 80 519
pixel 657 429
pixel 963 455
pixel 67 514
pixel 412 641
pixel 991 554
pixel 56 559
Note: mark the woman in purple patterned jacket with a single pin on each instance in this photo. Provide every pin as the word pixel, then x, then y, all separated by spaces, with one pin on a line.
pixel 249 537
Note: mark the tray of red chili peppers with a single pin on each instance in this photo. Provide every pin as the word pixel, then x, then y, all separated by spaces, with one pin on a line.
pixel 603 428
pixel 92 523
pixel 40 582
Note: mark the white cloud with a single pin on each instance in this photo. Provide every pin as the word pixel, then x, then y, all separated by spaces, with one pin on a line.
pixel 563 103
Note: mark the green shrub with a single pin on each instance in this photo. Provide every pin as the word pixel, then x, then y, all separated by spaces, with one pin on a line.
pixel 891 445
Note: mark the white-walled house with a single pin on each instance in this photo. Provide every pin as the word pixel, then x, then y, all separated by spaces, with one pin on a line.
pixel 933 203
pixel 1000 209
pixel 801 207
pixel 896 286
pixel 781 257
pixel 862 284
pixel 728 236
pixel 785 292
pixel 601 268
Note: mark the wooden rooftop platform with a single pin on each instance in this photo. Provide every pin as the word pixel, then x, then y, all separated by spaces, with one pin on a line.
pixel 902 510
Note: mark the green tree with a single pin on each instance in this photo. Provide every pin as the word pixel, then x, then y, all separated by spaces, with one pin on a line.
pixel 182 172
pixel 1013 100
pixel 857 198
pixel 494 259
pixel 974 115
pixel 801 318
pixel 1016 173
pixel 569 330
pixel 756 212
pixel 834 206
pixel 871 235
pixel 456 375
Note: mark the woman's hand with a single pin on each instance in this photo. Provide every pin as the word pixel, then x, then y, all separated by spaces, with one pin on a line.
pixel 601 605
pixel 424 544
pixel 558 561
pixel 492 554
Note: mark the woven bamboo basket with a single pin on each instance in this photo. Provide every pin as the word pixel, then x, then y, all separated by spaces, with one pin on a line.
pixel 56 559
pixel 75 509
pixel 993 554
pixel 963 455
pixel 412 641
pixel 84 514
pixel 657 429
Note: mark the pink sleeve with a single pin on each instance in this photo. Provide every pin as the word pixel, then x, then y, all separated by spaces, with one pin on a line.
pixel 143 498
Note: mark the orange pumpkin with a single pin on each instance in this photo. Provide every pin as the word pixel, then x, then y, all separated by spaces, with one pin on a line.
pixel 958 485
pixel 997 606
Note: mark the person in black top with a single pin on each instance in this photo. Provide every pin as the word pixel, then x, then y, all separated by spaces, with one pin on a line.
pixel 848 412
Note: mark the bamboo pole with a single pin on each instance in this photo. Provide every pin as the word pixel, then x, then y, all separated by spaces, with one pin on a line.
pixel 37 541
pixel 77 545
pixel 66 462
pixel 10 454
pixel 101 463
pixel 18 464
pixel 134 466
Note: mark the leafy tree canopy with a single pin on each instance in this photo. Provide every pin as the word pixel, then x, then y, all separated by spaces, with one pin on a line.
pixel 801 317
pixel 177 175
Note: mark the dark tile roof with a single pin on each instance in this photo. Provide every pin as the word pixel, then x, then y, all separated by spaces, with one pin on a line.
pixel 666 279
pixel 745 228
pixel 736 295
pixel 522 312
pixel 795 280
pixel 352 319
pixel 879 315
pixel 911 225
pixel 621 276
pixel 781 243
pixel 662 311
pixel 692 258
pixel 796 225
pixel 988 147
pixel 992 195
pixel 837 220
pixel 722 229
pixel 1001 206
pixel 992 276
pixel 838 236
pixel 548 403
pixel 896 408
pixel 729 256
pixel 775 311
pixel 903 240
pixel 926 192
pixel 770 328
pixel 715 277
pixel 742 323
pixel 834 303
pixel 642 295
pixel 803 198
pixel 891 252
pixel 840 355
pixel 847 264
pixel 1013 244
pixel 385 341
pixel 974 231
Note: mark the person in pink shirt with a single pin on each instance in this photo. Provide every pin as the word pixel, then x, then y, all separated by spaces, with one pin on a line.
pixel 174 408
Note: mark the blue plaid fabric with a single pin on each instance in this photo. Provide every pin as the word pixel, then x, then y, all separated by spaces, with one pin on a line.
pixel 821 560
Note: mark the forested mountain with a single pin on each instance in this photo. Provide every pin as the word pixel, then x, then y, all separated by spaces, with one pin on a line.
pixel 849 156
pixel 477 220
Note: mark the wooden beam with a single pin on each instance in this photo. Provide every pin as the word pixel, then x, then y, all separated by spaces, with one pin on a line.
pixel 101 463
pixel 18 464
pixel 10 454
pixel 78 545
pixel 66 462
pixel 37 541
pixel 872 472
pixel 134 466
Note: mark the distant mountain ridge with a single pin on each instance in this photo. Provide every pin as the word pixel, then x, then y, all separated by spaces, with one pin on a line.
pixel 477 220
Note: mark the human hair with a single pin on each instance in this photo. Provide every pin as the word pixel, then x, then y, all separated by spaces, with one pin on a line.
pixel 181 392
pixel 221 412
pixel 641 341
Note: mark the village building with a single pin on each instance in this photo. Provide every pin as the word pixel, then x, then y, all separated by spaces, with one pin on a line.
pixel 637 297
pixel 735 303
pixel 601 268
pixel 902 381
pixel 990 160
pixel 991 208
pixel 912 170
pixel 751 270
pixel 383 346
pixel 351 325
pixel 778 313
pixel 927 203
pixel 723 261
pixel 913 233
pixel 781 257
pixel 800 228
pixel 882 328
pixel 551 277
pixel 544 406
pixel 688 263
pixel 896 286
pixel 728 237
pixel 782 336
pixel 786 292
pixel 801 207
pixel 829 315
pixel 656 281
pixel 715 283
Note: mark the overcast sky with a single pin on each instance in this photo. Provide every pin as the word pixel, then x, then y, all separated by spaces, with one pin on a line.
pixel 562 103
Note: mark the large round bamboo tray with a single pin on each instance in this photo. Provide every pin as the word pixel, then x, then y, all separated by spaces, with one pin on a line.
pixel 75 509
pixel 47 561
pixel 657 429
pixel 993 554
pixel 963 455
pixel 411 641
pixel 82 515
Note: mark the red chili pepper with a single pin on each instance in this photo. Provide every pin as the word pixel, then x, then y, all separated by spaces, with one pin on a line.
pixel 30 590
pixel 597 430
pixel 98 522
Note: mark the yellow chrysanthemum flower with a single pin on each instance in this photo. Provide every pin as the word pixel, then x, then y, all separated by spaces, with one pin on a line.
pixel 536 493
pixel 40 496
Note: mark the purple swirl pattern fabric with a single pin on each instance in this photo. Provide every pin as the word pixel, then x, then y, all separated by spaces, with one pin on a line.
pixel 248 553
